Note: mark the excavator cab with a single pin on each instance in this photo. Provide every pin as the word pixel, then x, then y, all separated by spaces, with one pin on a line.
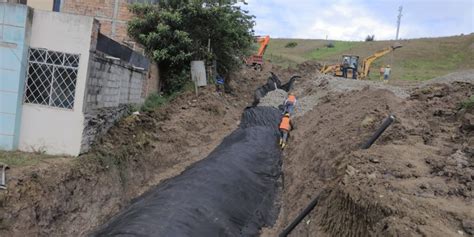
pixel 348 67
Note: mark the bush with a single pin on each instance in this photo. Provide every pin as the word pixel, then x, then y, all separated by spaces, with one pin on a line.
pixel 155 100
pixel 370 38
pixel 173 33
pixel 469 103
pixel 291 44
pixel 330 45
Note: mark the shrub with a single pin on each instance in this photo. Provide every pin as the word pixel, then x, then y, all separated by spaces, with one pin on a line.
pixel 291 44
pixel 370 38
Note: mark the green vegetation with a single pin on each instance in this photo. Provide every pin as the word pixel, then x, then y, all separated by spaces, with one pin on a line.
pixel 418 59
pixel 174 33
pixel 468 104
pixel 155 100
pixel 339 48
pixel 291 44
pixel 19 159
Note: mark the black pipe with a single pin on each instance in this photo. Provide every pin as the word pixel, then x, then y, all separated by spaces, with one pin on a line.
pixel 314 202
pixel 300 217
pixel 379 131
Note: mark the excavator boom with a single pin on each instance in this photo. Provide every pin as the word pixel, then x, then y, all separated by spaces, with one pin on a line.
pixel 256 60
pixel 263 44
pixel 337 69
pixel 369 60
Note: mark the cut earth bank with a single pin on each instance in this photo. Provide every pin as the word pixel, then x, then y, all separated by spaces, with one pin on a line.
pixel 417 180
pixel 403 185
pixel 72 196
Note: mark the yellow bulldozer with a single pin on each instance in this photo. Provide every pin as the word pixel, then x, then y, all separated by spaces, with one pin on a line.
pixel 349 66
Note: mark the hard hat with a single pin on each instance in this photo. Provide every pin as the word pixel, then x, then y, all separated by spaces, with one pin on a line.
pixel 287 114
pixel 388 65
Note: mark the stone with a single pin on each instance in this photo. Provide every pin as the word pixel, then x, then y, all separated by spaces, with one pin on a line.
pixel 374 160
pixel 468 226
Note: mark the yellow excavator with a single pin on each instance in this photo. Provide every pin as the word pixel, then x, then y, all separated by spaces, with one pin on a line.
pixel 349 67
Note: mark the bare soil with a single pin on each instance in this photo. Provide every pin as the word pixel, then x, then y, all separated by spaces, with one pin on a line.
pixel 72 196
pixel 417 180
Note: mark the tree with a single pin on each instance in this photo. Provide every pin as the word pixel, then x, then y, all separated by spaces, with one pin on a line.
pixel 174 32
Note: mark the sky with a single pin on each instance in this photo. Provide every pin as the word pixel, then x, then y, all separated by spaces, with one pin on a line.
pixel 355 19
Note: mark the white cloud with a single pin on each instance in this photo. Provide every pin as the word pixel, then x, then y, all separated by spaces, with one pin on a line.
pixel 354 20
pixel 344 21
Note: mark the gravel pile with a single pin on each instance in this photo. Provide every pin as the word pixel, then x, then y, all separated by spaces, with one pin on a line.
pixel 273 98
pixel 310 91
pixel 463 76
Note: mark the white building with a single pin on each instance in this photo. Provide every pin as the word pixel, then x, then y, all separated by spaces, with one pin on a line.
pixel 63 82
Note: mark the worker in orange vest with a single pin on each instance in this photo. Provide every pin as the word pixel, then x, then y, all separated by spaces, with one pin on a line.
pixel 290 103
pixel 285 126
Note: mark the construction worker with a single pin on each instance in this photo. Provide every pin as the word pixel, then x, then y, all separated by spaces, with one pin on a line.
pixel 345 66
pixel 354 68
pixel 285 126
pixel 290 103
pixel 382 71
pixel 386 73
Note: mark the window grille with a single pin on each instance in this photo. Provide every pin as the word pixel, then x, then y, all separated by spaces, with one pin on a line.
pixel 51 78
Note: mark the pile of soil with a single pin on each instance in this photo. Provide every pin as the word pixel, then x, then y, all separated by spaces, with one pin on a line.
pixel 416 180
pixel 72 196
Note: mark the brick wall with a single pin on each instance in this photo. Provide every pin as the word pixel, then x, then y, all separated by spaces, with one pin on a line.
pixel 112 15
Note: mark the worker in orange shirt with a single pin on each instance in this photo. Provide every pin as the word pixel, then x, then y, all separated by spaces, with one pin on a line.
pixel 290 103
pixel 286 125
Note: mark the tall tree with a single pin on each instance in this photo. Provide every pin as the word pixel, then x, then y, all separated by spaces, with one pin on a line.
pixel 174 32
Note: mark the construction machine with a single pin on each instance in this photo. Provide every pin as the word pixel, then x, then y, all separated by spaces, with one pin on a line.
pixel 256 60
pixel 349 67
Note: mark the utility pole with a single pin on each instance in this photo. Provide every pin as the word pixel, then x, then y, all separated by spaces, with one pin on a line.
pixel 399 20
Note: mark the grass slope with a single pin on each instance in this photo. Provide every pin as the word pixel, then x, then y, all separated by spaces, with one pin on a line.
pixel 418 59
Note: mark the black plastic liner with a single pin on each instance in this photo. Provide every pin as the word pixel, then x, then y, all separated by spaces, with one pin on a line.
pixel 113 48
pixel 229 193
pixel 273 82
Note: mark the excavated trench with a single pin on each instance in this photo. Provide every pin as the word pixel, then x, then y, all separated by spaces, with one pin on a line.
pixel 232 192
pixel 229 193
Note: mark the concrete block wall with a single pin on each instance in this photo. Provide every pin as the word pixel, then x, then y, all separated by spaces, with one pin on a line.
pixel 112 87
pixel 112 83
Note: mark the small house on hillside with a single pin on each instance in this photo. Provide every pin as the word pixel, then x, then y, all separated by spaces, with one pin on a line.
pixel 63 83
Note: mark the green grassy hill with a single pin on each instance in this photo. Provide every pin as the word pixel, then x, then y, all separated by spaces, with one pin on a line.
pixel 418 59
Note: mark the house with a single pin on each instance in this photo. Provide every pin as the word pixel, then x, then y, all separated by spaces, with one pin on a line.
pixel 60 87
pixel 113 16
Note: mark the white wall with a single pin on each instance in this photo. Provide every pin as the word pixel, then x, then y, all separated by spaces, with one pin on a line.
pixel 50 129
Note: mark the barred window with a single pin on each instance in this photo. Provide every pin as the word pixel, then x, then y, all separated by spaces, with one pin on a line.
pixel 51 78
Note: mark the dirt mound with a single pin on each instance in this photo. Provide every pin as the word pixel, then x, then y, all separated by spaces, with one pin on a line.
pixel 416 180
